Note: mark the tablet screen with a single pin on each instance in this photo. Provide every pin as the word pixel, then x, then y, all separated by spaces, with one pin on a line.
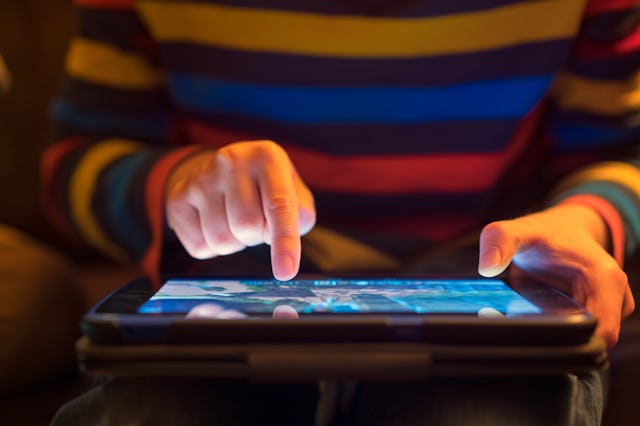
pixel 343 296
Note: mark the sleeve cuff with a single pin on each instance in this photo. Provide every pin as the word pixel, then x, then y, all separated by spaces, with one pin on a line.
pixel 154 200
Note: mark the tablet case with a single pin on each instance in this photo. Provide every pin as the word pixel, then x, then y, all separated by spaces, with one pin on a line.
pixel 384 350
pixel 340 361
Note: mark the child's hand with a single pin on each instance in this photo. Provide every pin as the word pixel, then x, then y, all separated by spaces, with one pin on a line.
pixel 563 246
pixel 245 194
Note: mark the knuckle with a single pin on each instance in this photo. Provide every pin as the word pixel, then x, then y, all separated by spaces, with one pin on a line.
pixel 219 240
pixel 248 229
pixel 248 222
pixel 197 193
pixel 177 212
pixel 205 166
pixel 613 273
pixel 174 208
pixel 281 205
pixel 496 230
pixel 621 279
pixel 269 151
pixel 619 275
pixel 225 159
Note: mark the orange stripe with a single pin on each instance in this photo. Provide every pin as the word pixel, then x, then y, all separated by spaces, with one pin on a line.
pixel 612 218
pixel 391 174
pixel 51 159
pixel 154 201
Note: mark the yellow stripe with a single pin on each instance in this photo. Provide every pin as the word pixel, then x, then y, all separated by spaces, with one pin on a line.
pixel 613 171
pixel 105 64
pixel 359 36
pixel 333 252
pixel 600 97
pixel 83 183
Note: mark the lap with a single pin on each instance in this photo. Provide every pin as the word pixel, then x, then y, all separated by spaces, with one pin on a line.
pixel 172 401
pixel 554 400
pixel 563 399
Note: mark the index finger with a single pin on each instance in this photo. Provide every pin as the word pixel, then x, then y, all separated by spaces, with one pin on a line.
pixel 280 207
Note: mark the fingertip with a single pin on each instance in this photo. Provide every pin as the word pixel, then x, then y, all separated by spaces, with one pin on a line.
pixel 284 268
pixel 285 312
pixel 205 310
pixel 498 245
pixel 490 262
pixel 230 314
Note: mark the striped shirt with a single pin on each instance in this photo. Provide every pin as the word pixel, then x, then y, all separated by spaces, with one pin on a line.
pixel 421 117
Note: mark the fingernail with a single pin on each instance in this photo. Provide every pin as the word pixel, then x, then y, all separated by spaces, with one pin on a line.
pixel 284 268
pixel 205 310
pixel 490 261
pixel 285 312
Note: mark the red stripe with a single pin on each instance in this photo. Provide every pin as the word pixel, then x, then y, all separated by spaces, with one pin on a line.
pixel 432 228
pixel 610 215
pixel 590 51
pixel 596 7
pixel 154 201
pixel 106 4
pixel 49 173
pixel 389 174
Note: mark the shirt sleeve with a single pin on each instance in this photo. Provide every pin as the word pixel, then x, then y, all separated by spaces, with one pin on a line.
pixel 595 119
pixel 114 129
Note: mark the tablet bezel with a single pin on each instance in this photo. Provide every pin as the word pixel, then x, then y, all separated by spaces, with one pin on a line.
pixel 115 321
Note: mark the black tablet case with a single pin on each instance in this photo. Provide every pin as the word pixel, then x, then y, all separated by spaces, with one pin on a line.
pixel 202 351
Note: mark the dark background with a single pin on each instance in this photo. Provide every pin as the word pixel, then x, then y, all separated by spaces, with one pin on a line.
pixel 33 39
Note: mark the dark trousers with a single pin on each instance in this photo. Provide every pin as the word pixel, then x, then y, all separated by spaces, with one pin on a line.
pixel 550 400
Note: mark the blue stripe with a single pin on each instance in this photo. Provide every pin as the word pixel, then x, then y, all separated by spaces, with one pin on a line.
pixel 150 127
pixel 578 136
pixel 625 201
pixel 117 182
pixel 508 98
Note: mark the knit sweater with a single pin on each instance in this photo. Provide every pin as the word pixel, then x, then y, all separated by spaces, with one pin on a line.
pixel 418 117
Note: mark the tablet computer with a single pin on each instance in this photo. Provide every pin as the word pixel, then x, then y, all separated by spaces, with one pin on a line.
pixel 347 327
pixel 431 309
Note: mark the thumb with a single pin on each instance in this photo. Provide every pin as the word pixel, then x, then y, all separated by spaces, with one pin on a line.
pixel 498 244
